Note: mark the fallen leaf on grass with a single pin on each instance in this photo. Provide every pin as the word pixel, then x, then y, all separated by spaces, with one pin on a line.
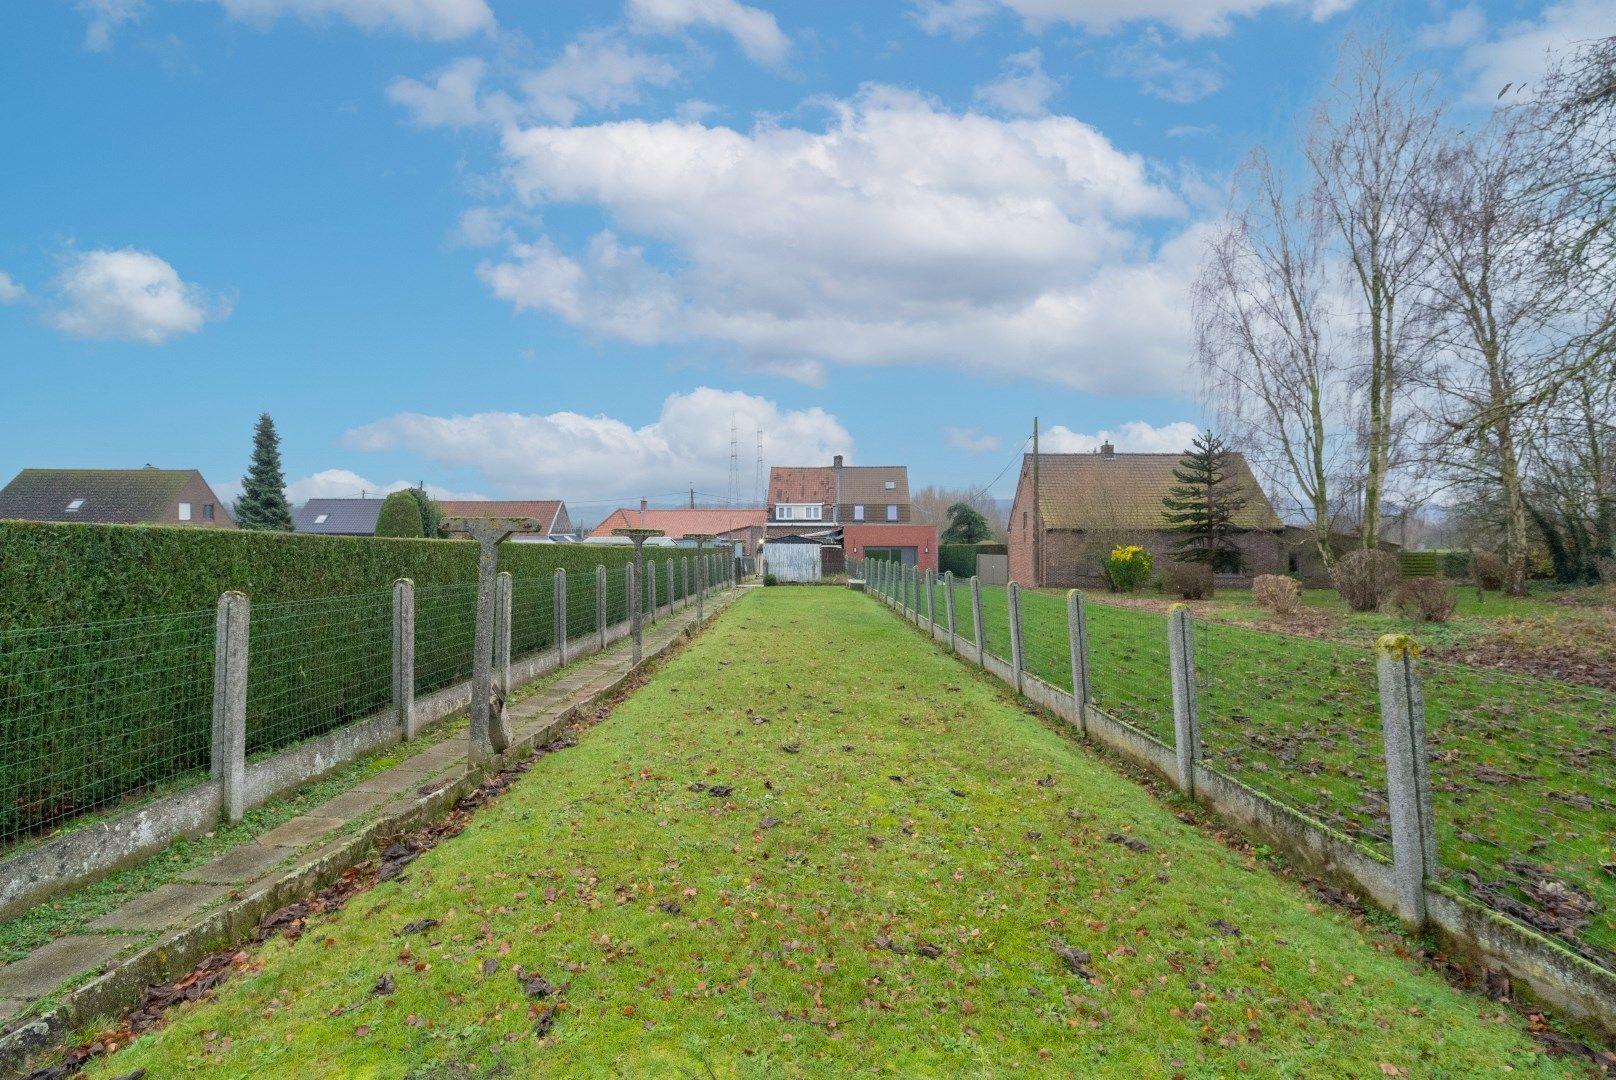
pixel 1132 843
pixel 418 926
pixel 1076 960
pixel 1224 926
pixel 544 1021
pixel 768 823
pixel 536 985
pixel 384 985
pixel 490 966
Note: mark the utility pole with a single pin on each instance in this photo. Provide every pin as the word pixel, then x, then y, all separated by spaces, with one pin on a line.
pixel 692 496
pixel 1037 516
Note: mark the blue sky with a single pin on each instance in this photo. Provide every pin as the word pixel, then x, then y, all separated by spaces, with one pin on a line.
pixel 529 249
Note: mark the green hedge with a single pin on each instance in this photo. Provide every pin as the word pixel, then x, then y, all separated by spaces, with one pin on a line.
pixel 106 644
pixel 961 558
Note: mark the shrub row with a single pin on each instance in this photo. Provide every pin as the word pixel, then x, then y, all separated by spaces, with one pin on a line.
pixel 961 558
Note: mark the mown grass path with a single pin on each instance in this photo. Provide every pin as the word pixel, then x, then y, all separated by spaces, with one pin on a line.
pixel 881 889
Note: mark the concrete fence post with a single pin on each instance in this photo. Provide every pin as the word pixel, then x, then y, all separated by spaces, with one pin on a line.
pixel 701 587
pixel 1018 658
pixel 634 612
pixel 650 587
pixel 684 574
pixel 404 657
pixel 911 593
pixel 667 567
pixel 976 622
pixel 1408 776
pixel 560 606
pixel 1186 711
pixel 948 609
pixel 600 606
pixel 931 602
pixel 230 632
pixel 1077 630
pixel 502 634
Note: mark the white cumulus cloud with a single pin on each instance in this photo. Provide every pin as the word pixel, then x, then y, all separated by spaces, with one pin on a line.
pixel 11 290
pixel 1516 53
pixel 1190 18
pixel 970 440
pixel 754 30
pixel 105 16
pixel 901 233
pixel 592 459
pixel 438 20
pixel 347 484
pixel 129 295
pixel 1024 89
pixel 1135 436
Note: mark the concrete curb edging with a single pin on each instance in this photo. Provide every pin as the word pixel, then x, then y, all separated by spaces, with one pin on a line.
pixel 179 950
pixel 1574 986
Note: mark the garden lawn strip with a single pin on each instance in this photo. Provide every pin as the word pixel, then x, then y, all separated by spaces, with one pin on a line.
pixel 814 844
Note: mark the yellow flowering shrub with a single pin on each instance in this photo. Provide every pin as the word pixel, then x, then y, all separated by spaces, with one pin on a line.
pixel 1128 567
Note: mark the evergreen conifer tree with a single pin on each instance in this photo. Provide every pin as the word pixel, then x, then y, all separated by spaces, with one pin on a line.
pixel 966 525
pixel 1201 508
pixel 262 504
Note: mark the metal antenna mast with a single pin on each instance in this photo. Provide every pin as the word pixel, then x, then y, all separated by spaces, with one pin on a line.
pixel 734 462
pixel 757 474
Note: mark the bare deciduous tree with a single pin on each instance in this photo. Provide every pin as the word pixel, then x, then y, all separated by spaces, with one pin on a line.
pixel 1367 144
pixel 1263 341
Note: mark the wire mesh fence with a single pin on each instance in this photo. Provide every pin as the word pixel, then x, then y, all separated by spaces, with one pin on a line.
pixel 532 614
pixel 96 713
pixel 316 665
pixel 445 634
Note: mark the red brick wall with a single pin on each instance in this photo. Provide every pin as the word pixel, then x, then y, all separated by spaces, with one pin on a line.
pixel 923 538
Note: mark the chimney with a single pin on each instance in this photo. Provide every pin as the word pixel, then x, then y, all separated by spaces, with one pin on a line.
pixel 643 504
pixel 836 511
pixel 1107 450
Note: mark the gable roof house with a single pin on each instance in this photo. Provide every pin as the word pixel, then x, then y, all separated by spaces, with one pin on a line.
pixel 1090 503
pixel 148 496
pixel 338 517
pixel 863 509
pixel 742 525
pixel 551 512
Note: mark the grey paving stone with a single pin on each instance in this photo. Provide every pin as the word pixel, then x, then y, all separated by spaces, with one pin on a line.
pixel 245 863
pixel 395 782
pixel 300 830
pixel 160 908
pixel 48 967
pixel 351 804
pixel 10 1007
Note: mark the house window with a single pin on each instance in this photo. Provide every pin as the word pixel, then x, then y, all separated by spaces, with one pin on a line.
pixel 207 511
pixel 75 505
pixel 319 519
pixel 858 511
pixel 892 512
pixel 1024 521
pixel 185 511
pixel 892 485
pixel 798 512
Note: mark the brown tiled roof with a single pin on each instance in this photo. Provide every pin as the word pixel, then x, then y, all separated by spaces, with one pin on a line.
pixel 544 510
pixel 860 484
pixel 678 523
pixel 1096 491
pixel 115 496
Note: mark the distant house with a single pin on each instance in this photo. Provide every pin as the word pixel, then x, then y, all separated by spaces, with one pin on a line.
pixel 337 517
pixel 148 496
pixel 550 513
pixel 1091 503
pixel 863 509
pixel 743 526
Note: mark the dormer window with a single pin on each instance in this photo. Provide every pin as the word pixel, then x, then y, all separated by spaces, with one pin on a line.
pixel 319 519
pixel 892 485
pixel 798 512
pixel 75 505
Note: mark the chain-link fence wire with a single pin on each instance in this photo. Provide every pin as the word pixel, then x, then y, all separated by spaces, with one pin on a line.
pixel 1297 719
pixel 616 595
pixel 964 623
pixel 533 614
pixel 1046 641
pixel 446 634
pixel 580 617
pixel 98 712
pixel 996 621
pixel 1523 778
pixel 1130 678
pixel 649 589
pixel 316 665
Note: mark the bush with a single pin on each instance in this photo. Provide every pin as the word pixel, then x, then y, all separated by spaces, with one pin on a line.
pixel 1365 579
pixel 1276 593
pixel 960 558
pixel 1128 567
pixel 400 516
pixel 1192 581
pixel 1490 570
pixel 1427 599
pixel 770 579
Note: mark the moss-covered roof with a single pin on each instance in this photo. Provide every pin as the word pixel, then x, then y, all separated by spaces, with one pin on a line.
pixel 1122 491
pixel 128 496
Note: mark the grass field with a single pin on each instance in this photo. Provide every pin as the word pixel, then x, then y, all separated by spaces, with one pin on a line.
pixel 1522 768
pixel 814 845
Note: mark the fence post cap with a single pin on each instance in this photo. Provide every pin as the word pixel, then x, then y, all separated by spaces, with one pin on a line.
pixel 1397 645
pixel 1177 605
pixel 403 581
pixel 1074 592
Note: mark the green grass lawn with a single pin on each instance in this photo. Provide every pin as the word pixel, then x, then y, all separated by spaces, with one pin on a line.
pixel 1521 767
pixel 814 845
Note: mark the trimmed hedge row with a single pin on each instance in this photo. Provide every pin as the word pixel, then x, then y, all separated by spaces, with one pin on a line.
pixel 961 558
pixel 94 710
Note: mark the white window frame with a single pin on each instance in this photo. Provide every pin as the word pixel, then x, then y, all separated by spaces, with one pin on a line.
pixel 892 485
pixel 319 519
pixel 858 511
pixel 185 511
pixel 799 512
pixel 892 511
pixel 75 506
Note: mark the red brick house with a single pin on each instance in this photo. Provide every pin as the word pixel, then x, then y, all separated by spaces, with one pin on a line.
pixel 861 508
pixel 1090 503
pixel 739 525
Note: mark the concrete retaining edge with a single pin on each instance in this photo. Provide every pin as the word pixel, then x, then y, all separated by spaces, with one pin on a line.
pixel 1571 984
pixel 180 950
